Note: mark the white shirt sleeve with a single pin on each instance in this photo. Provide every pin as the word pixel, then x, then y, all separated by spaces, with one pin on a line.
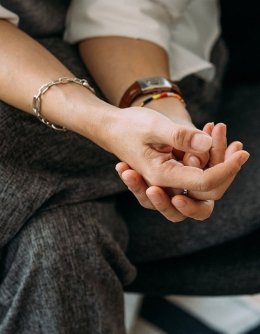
pixel 192 40
pixel 186 29
pixel 142 19
pixel 8 15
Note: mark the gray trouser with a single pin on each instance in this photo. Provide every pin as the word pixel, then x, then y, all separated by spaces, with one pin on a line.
pixel 71 238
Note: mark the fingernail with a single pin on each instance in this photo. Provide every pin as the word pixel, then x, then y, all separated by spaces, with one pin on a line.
pixel 179 203
pixel 244 158
pixel 201 142
pixel 240 145
pixel 224 128
pixel 193 161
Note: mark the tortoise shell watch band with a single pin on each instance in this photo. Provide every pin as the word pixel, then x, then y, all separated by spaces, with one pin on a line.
pixel 147 86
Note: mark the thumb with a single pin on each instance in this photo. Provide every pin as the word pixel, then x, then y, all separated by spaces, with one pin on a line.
pixel 184 138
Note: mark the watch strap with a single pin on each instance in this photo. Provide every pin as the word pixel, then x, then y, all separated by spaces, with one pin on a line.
pixel 135 91
pixel 130 95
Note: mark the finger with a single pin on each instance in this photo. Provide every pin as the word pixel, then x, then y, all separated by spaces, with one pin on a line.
pixel 219 144
pixel 121 167
pixel 162 202
pixel 184 138
pixel 200 160
pixel 172 174
pixel 199 210
pixel 218 192
pixel 232 148
pixel 137 186
pixel 208 127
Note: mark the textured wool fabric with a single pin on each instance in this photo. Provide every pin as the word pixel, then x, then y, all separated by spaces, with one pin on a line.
pixel 69 233
pixel 63 273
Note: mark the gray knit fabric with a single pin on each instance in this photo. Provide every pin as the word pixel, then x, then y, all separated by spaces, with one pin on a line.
pixel 70 234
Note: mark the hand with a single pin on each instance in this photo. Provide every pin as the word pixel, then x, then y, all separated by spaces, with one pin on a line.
pixel 136 137
pixel 177 113
pixel 180 207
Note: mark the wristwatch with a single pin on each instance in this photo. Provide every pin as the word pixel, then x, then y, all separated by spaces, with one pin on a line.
pixel 147 86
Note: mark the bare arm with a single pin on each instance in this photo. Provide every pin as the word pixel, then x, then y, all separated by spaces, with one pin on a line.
pixel 26 65
pixel 122 60
pixel 116 62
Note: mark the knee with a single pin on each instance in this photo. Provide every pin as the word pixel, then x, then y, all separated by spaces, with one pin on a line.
pixel 77 248
pixel 57 243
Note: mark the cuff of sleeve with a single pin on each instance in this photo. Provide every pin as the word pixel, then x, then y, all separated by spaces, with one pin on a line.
pixel 134 19
pixel 6 14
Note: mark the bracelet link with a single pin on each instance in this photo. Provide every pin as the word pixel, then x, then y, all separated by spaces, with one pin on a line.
pixel 36 102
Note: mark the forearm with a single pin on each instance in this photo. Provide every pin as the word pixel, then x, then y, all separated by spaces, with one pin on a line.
pixel 26 65
pixel 116 62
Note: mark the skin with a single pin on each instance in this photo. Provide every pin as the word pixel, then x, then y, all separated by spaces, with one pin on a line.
pixel 147 145
pixel 177 207
pixel 112 50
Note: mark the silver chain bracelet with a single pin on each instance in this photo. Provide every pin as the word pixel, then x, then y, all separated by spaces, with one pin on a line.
pixel 36 104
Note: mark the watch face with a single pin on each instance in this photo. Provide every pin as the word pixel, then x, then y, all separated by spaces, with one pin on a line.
pixel 151 84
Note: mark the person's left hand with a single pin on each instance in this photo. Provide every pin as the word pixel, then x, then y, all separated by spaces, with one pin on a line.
pixel 177 207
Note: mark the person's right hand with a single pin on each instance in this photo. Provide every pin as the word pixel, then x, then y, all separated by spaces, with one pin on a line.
pixel 136 137
pixel 179 207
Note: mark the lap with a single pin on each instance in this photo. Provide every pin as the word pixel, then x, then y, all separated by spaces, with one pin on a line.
pixel 82 236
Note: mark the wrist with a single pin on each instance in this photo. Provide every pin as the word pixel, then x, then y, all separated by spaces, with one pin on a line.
pixel 170 107
pixel 77 109
pixel 95 120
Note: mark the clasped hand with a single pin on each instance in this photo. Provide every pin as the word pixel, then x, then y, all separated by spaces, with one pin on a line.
pixel 174 157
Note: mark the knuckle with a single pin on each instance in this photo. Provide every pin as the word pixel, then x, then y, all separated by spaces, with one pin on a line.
pixel 148 153
pixel 204 185
pixel 206 182
pixel 179 136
